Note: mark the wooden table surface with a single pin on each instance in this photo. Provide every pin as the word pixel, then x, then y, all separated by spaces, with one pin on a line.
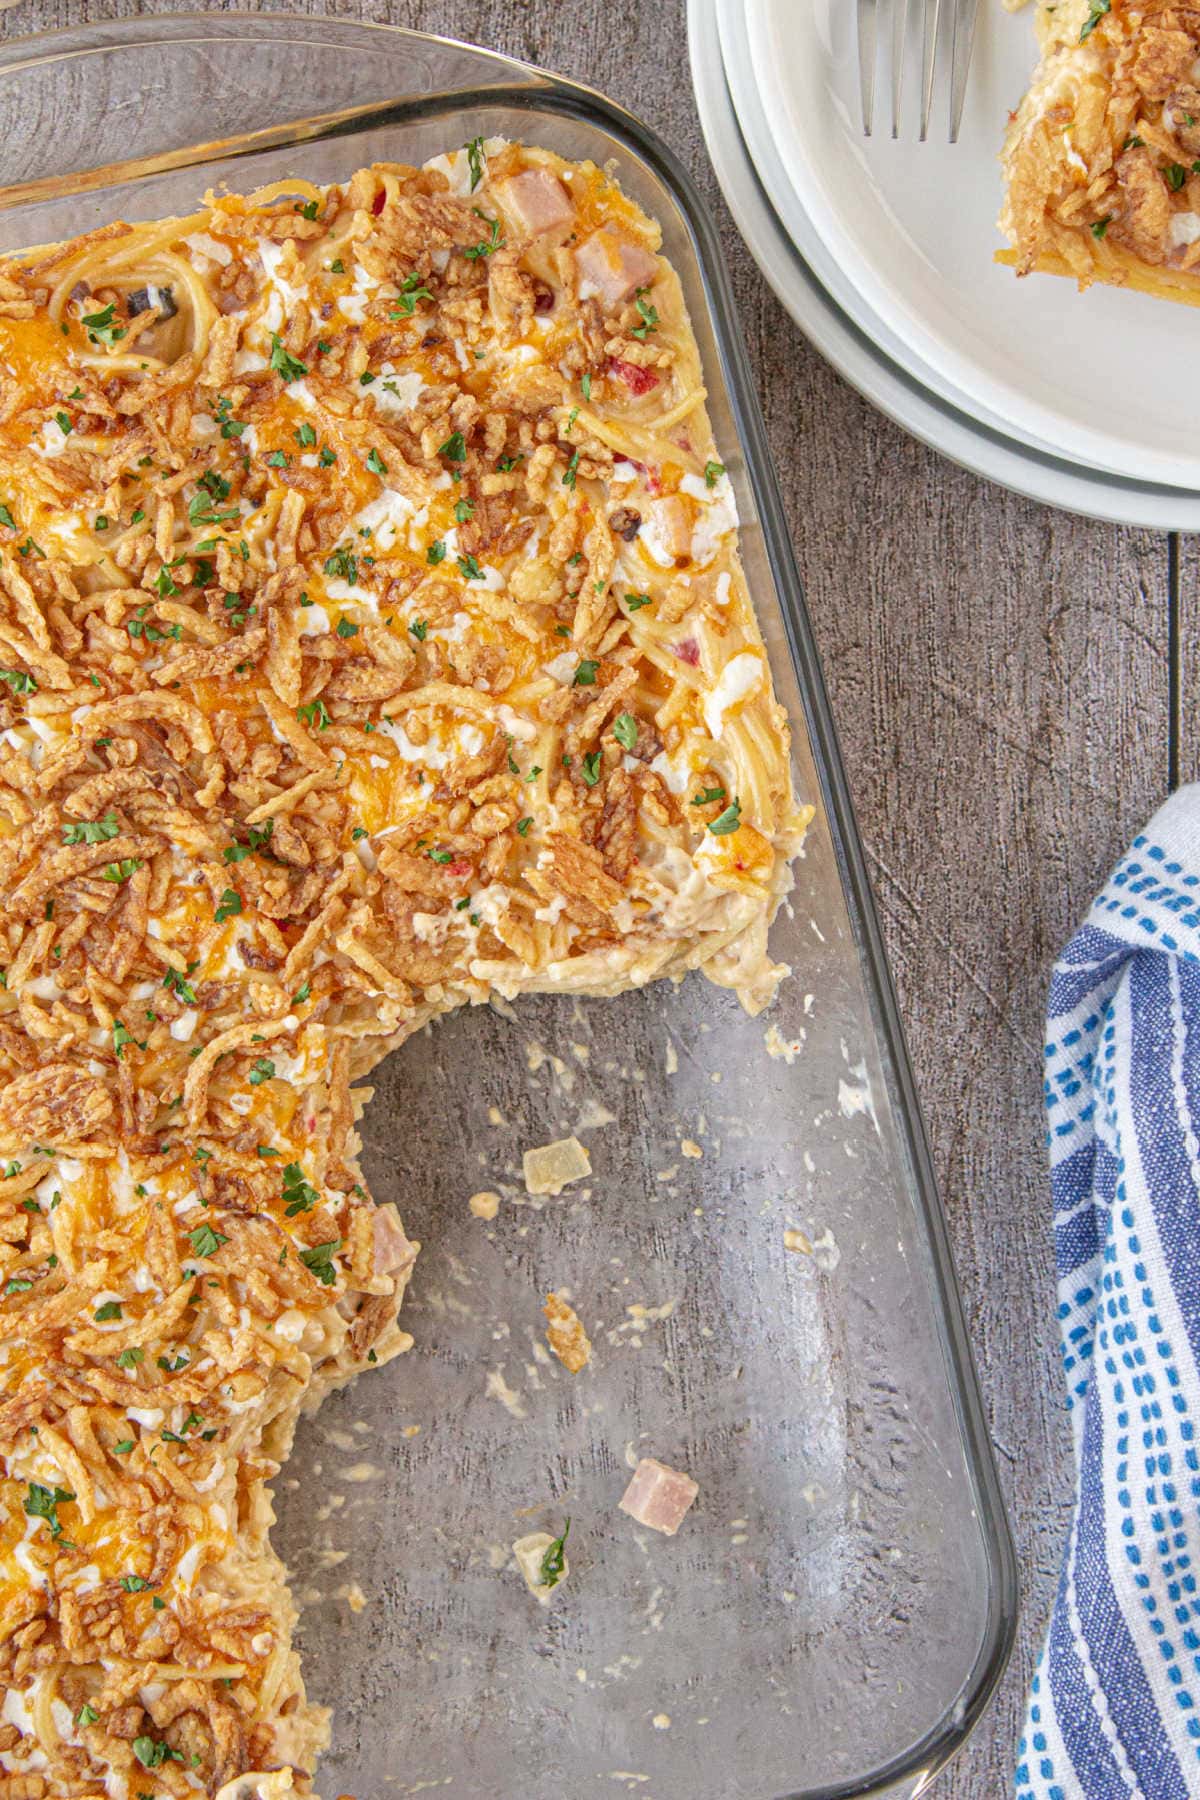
pixel 1001 679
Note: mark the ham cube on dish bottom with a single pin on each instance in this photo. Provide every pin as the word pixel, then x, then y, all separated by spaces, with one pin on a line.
pixel 658 1497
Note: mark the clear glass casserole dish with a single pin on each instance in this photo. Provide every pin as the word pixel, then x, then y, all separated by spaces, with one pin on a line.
pixel 760 1257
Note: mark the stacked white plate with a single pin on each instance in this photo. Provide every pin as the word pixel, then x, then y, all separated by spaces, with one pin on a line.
pixel 883 252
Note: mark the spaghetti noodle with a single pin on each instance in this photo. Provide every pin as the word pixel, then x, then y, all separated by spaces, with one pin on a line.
pixel 373 640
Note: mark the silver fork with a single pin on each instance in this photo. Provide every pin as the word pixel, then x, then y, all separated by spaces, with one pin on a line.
pixel 964 15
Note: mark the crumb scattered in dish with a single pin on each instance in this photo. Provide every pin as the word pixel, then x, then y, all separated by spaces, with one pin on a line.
pixel 549 1168
pixel 565 1334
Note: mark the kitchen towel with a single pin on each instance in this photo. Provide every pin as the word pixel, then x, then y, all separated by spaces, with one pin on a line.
pixel 1115 1704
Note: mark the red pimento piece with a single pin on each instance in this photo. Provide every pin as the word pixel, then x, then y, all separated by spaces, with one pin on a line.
pixel 688 651
pixel 378 203
pixel 638 381
pixel 459 868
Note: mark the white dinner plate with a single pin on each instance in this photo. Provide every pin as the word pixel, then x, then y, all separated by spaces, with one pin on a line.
pixel 863 365
pixel 1109 378
pixel 760 139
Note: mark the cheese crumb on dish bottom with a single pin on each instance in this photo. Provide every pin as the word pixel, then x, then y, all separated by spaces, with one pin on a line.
pixel 372 641
pixel 1102 158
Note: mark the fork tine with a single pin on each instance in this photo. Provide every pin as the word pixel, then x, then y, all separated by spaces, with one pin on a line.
pixel 899 30
pixel 966 21
pixel 866 61
pixel 929 38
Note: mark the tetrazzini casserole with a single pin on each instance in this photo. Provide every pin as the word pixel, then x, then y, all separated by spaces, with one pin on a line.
pixel 1102 158
pixel 373 640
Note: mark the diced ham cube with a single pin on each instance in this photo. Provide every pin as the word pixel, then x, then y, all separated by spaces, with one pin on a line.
pixel 610 268
pixel 538 200
pixel 392 1249
pixel 658 1497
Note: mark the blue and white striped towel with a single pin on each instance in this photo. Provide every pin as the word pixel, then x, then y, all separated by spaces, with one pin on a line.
pixel 1115 1707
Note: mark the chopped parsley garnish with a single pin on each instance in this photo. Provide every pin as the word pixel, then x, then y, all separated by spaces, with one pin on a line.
pixel 475 161
pixel 470 568
pixel 314 714
pixel 435 553
pixel 635 602
pixel 419 628
pixel 551 1568
pixel 205 1241
pixel 86 1714
pixel 523 826
pixel 263 1070
pixel 289 367
pixel 308 210
pixel 129 1359
pixel 123 1448
pixel 327 458
pixel 257 837
pixel 29 548
pixel 585 674
pixel 410 292
pixel 440 856
pixel 135 1584
pixel 347 628
pixel 625 730
pixel 585 386
pixel 278 459
pixel 229 905
pixel 590 769
pixel 230 427
pixel 647 313
pixel 175 983
pixel 298 1195
pixel 110 1310
pixel 121 1038
pixel 100 328
pixel 727 821
pixel 318 1261
pixel 486 245
pixel 569 473
pixel 152 1753
pixel 455 448
pixel 706 796
pixel 463 509
pixel 343 565
pixel 19 681
pixel 302 994
pixel 1101 226
pixel 376 463
pixel 121 871
pixel 43 1503
pixel 306 437
pixel 1096 11
pixel 101 522
pixel 63 421
pixel 6 518
pixel 713 472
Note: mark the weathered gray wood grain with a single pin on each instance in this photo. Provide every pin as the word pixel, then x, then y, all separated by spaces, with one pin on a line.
pixel 998 673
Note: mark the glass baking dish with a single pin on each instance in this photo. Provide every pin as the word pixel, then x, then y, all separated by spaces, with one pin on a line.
pixel 760 1256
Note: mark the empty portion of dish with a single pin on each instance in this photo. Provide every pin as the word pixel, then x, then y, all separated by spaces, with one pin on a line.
pixel 1102 158
pixel 375 641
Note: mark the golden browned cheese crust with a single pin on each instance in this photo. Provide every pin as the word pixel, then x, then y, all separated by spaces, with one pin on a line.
pixel 372 640
pixel 1102 159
